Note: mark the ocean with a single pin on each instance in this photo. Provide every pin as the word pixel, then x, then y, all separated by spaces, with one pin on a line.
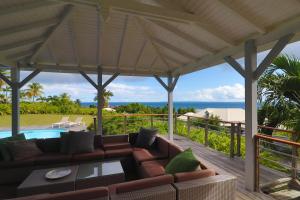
pixel 187 104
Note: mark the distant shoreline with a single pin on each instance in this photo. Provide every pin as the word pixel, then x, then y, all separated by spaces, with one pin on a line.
pixel 179 104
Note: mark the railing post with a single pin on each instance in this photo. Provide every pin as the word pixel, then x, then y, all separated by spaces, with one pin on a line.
pixel 95 124
pixel 151 120
pixel 188 125
pixel 175 123
pixel 125 124
pixel 256 139
pixel 238 139
pixel 232 131
pixel 294 158
pixel 206 129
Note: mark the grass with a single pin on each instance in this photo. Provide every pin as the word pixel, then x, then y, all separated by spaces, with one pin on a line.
pixel 41 119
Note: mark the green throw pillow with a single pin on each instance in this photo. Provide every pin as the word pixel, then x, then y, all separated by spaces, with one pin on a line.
pixel 183 162
pixel 4 150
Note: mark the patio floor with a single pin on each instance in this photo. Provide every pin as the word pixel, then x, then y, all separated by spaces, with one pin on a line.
pixel 234 166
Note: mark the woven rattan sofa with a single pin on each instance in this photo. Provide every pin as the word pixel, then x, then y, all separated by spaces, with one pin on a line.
pixel 153 182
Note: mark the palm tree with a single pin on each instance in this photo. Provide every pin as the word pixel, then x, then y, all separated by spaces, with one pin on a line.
pixel 2 82
pixel 34 90
pixel 106 97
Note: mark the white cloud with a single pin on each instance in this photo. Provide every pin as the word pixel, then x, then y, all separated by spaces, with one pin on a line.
pixel 234 92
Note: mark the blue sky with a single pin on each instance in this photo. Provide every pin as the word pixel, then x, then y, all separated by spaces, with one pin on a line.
pixel 218 83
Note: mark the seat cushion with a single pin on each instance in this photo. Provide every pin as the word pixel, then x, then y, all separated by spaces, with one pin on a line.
pixel 98 154
pixel 118 153
pixel 153 168
pixel 146 155
pixel 114 146
pixel 52 158
pixel 140 184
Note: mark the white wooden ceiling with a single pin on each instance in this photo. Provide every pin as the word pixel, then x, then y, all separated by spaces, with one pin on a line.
pixel 138 37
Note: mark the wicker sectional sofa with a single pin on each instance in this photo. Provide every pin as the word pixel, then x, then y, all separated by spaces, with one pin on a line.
pixel 153 183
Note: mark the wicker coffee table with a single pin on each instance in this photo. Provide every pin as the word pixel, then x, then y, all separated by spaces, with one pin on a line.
pixel 82 176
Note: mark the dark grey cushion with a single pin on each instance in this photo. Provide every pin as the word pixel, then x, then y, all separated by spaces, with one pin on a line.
pixel 81 142
pixel 146 138
pixel 64 142
pixel 21 150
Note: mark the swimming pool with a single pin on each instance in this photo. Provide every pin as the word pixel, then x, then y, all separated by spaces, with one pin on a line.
pixel 36 133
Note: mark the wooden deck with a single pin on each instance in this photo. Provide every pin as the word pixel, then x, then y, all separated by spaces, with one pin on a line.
pixel 224 164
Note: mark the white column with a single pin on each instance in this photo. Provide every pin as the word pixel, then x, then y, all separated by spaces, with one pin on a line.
pixel 15 78
pixel 170 108
pixel 99 101
pixel 251 113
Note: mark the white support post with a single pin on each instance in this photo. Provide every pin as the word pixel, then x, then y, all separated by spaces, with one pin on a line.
pixel 251 113
pixel 170 108
pixel 15 78
pixel 100 102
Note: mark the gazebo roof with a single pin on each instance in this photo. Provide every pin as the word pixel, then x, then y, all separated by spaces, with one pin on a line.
pixel 138 37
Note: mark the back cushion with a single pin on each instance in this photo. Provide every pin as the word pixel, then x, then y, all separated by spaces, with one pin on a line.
pixel 174 150
pixel 146 138
pixel 21 150
pixel 4 151
pixel 51 145
pixel 132 138
pixel 98 141
pixel 81 142
pixel 163 145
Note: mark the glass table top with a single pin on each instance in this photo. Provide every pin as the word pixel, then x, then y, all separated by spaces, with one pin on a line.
pixel 96 169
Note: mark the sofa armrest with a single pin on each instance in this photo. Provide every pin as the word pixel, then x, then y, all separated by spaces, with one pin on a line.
pixel 187 176
pixel 163 192
pixel 114 139
pixel 220 187
pixel 140 184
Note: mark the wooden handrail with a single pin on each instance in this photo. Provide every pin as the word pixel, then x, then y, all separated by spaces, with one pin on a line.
pixel 276 129
pixel 260 136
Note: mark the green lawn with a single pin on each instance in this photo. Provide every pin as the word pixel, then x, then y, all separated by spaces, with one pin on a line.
pixel 41 119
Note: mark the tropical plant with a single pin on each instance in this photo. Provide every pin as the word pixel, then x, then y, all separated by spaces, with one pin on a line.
pixel 106 97
pixel 34 90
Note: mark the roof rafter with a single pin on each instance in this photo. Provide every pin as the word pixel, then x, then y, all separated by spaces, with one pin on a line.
pixel 28 6
pixel 74 44
pixel 149 37
pixel 135 8
pixel 66 13
pixel 34 25
pixel 183 35
pixel 122 40
pixel 20 55
pixel 246 18
pixel 140 53
pixel 173 48
pixel 22 43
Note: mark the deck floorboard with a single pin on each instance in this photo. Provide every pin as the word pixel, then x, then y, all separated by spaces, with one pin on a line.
pixel 235 166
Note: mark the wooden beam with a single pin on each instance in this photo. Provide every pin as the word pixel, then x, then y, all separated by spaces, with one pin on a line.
pixel 26 27
pixel 5 79
pixel 65 15
pixel 174 82
pixel 84 3
pixel 123 37
pixel 235 65
pixel 173 48
pixel 73 43
pixel 242 16
pixel 263 42
pixel 113 77
pixel 134 8
pixel 22 43
pixel 175 60
pixel 279 46
pixel 185 36
pixel 140 53
pixel 89 79
pixel 161 82
pixel 20 55
pixel 26 6
pixel 148 35
pixel 29 77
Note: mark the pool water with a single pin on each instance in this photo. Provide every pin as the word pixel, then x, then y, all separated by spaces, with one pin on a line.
pixel 36 133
